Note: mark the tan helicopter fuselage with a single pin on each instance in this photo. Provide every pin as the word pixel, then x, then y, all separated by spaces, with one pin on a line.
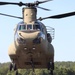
pixel 41 53
pixel 31 45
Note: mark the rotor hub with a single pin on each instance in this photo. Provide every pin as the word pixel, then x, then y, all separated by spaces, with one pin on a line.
pixel 29 15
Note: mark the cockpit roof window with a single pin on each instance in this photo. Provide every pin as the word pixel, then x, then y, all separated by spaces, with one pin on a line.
pixel 22 27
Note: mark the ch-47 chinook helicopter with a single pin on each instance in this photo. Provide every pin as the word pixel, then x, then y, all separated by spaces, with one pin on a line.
pixel 32 46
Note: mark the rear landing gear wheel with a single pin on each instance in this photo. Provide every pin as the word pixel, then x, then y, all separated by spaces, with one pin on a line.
pixel 48 66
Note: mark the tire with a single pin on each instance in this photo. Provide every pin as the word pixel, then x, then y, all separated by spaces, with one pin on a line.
pixel 48 66
pixel 14 67
pixel 53 66
pixel 51 72
pixel 11 67
pixel 16 73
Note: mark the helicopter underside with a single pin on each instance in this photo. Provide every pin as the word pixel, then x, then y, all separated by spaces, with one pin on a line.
pixel 40 55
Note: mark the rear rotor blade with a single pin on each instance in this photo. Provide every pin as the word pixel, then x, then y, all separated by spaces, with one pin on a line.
pixel 39 2
pixel 43 8
pixel 11 16
pixel 26 4
pixel 59 16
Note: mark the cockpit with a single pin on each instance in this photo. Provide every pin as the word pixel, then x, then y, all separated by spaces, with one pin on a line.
pixel 23 30
pixel 29 27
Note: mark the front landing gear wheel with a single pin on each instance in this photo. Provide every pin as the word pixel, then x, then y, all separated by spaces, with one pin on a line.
pixel 14 67
pixel 16 72
pixel 33 73
pixel 32 64
pixel 51 72
pixel 50 67
pixel 11 67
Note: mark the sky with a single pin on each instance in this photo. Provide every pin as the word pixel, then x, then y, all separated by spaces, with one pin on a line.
pixel 64 41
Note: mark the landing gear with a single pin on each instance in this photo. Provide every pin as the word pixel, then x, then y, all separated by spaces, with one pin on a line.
pixel 32 64
pixel 13 67
pixel 16 73
pixel 51 67
pixel 51 72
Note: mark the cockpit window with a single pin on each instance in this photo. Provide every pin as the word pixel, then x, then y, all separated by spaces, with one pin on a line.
pixel 22 27
pixel 29 26
pixel 36 27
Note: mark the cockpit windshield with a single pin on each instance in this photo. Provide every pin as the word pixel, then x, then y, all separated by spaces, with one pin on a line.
pixel 36 27
pixel 22 27
pixel 29 27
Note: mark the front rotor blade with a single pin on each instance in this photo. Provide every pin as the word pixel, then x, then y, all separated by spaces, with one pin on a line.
pixel 11 16
pixel 58 16
pixel 5 3
pixel 43 8
pixel 39 2
pixel 62 15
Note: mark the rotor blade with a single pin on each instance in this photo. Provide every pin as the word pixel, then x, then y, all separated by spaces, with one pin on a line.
pixel 11 16
pixel 5 3
pixel 62 15
pixel 39 2
pixel 59 16
pixel 43 8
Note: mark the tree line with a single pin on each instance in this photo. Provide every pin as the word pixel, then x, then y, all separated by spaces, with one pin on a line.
pixel 61 68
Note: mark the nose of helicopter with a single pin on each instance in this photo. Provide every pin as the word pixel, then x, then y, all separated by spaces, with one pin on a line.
pixel 30 36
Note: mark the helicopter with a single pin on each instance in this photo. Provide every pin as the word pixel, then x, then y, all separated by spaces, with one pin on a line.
pixel 32 46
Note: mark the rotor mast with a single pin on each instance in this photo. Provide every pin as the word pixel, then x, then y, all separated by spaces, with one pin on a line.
pixel 29 15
